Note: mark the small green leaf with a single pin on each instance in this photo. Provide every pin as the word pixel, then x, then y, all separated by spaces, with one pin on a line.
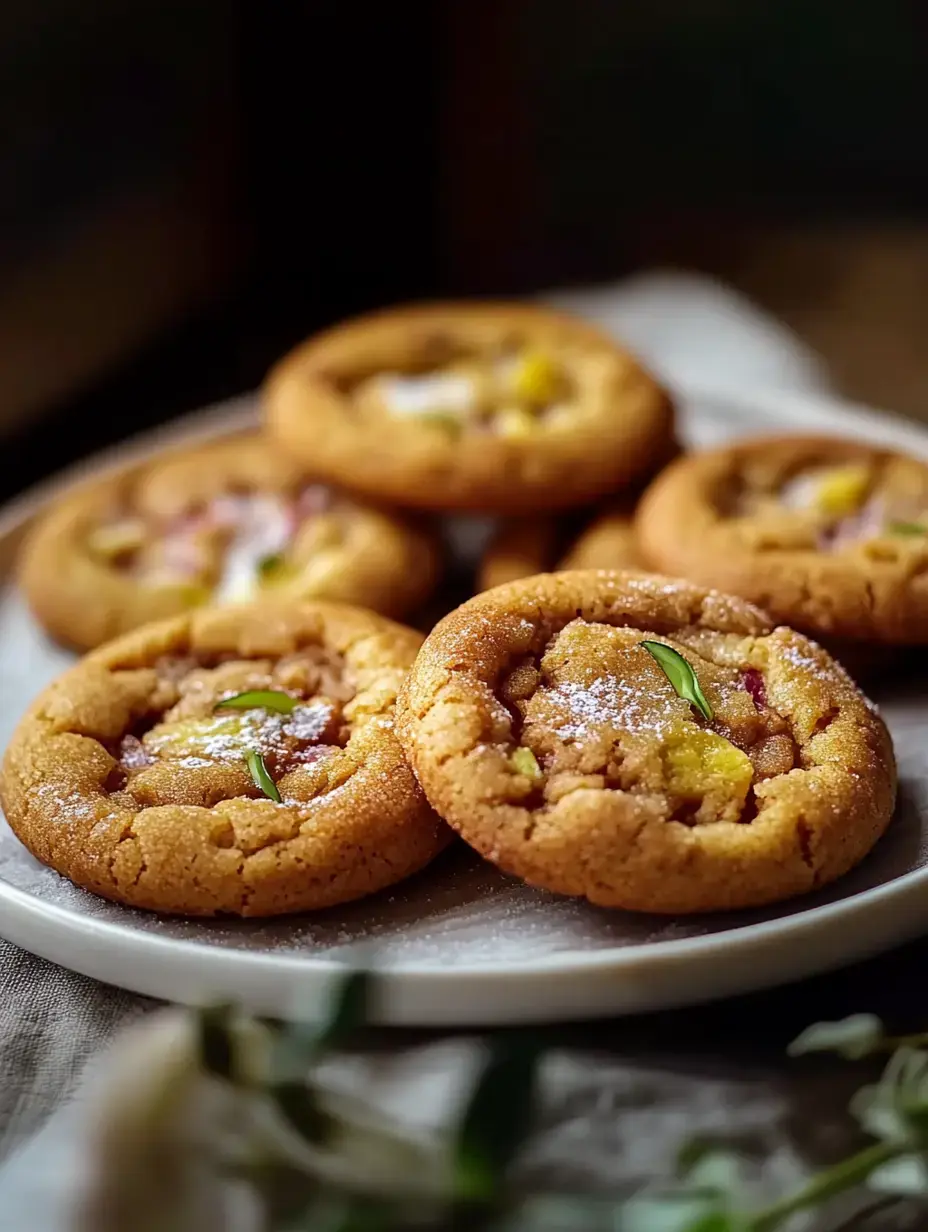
pixel 714 1221
pixel 349 1011
pixel 496 1120
pixel 449 424
pixel 907 528
pixel 259 775
pixel 674 1213
pixel 525 761
pixel 215 1040
pixel 680 674
pixel 896 1108
pixel 269 564
pixel 716 1171
pixel 264 699
pixel 299 1045
pixel 903 1176
pixel 852 1037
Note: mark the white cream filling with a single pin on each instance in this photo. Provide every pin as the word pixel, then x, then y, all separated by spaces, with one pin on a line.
pixel 263 527
pixel 419 395
pixel 802 492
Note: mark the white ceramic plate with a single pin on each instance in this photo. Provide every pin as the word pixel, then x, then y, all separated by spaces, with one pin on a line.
pixel 460 944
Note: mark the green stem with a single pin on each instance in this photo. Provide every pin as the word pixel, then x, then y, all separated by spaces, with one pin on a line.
pixel 827 1184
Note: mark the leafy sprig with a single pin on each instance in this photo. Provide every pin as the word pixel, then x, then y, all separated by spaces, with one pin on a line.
pixel 358 1173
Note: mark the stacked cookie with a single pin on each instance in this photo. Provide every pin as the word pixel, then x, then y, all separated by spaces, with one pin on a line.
pixel 646 743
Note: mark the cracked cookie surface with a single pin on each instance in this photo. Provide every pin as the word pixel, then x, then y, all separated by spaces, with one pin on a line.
pixel 221 523
pixel 129 776
pixel 551 740
pixel 501 408
pixel 827 535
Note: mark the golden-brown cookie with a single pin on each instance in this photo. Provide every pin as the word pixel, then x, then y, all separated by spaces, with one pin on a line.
pixel 125 777
pixel 552 740
pixel 502 408
pixel 523 547
pixel 610 542
pixel 599 538
pixel 219 523
pixel 830 536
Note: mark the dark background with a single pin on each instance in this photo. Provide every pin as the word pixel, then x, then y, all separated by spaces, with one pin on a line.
pixel 190 187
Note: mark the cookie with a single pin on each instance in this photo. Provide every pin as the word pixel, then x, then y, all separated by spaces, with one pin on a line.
pixel 602 537
pixel 609 542
pixel 502 408
pixel 126 777
pixel 830 536
pixel 551 738
pixel 220 523
pixel 523 547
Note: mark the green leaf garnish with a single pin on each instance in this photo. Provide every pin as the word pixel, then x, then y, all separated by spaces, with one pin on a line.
pixel 496 1120
pixel 269 564
pixel 525 761
pixel 907 528
pixel 853 1037
pixel 680 674
pixel 259 775
pixel 441 419
pixel 266 699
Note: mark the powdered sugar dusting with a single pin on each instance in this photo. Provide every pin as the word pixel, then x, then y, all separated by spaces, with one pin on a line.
pixel 606 701
pixel 807 664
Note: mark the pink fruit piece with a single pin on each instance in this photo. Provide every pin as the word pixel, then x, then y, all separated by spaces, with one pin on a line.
pixel 754 684
pixel 313 500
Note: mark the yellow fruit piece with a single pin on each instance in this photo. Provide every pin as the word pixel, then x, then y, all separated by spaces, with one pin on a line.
pixel 218 737
pixel 535 378
pixel 515 424
pixel 525 761
pixel 117 538
pixel 842 490
pixel 699 761
pixel 190 594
